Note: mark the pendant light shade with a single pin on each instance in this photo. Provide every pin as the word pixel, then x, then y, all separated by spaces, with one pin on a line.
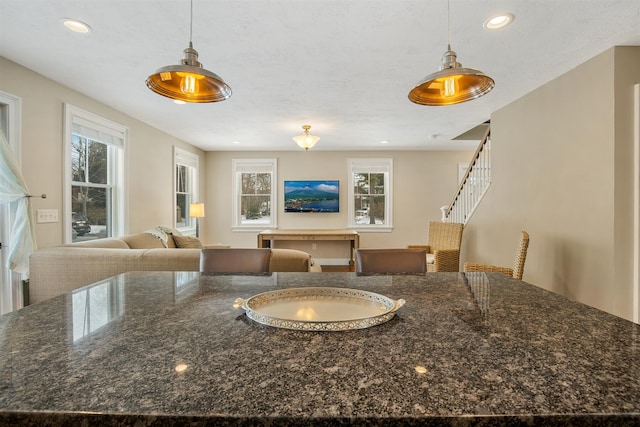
pixel 188 81
pixel 451 84
pixel 306 140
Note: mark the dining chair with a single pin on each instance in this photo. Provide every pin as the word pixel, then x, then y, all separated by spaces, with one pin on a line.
pixel 443 250
pixel 391 261
pixel 235 260
pixel 518 266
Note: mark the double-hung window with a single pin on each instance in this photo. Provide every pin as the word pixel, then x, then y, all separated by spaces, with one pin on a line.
pixel 370 199
pixel 186 188
pixel 94 176
pixel 254 193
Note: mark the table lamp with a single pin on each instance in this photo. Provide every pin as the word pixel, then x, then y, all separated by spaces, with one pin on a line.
pixel 196 210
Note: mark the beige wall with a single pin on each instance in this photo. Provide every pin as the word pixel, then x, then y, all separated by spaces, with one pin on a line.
pixel 627 74
pixel 150 152
pixel 563 171
pixel 423 182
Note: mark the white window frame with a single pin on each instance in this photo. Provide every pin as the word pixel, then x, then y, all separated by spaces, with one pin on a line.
pixel 253 166
pixel 116 136
pixel 192 162
pixel 371 165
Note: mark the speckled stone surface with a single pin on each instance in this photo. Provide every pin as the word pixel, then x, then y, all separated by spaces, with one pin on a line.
pixel 491 351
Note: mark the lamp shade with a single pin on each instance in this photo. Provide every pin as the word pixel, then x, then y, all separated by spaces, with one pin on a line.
pixel 196 210
pixel 451 84
pixel 188 81
pixel 306 140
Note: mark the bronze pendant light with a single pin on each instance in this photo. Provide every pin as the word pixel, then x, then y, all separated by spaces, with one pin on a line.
pixel 188 81
pixel 451 84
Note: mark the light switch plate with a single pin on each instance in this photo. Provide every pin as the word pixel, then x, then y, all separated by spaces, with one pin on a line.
pixel 47 215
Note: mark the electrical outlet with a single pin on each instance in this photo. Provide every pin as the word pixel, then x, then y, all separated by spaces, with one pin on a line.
pixel 314 246
pixel 47 215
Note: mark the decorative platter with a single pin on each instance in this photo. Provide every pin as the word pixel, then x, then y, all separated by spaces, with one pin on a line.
pixel 320 309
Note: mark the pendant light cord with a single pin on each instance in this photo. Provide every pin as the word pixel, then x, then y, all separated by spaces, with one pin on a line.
pixel 448 24
pixel 191 24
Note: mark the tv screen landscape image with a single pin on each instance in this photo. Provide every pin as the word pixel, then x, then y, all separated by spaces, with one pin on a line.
pixel 312 196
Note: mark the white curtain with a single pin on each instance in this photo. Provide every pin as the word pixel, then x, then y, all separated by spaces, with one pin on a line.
pixel 13 192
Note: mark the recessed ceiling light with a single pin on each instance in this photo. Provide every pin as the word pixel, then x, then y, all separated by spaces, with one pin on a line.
pixel 179 102
pixel 384 142
pixel 236 142
pixel 76 26
pixel 498 21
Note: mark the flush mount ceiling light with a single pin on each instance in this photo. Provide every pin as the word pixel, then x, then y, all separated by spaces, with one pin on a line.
pixel 306 140
pixel 189 82
pixel 498 21
pixel 451 84
pixel 76 26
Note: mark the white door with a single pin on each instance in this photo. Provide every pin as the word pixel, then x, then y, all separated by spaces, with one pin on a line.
pixel 11 296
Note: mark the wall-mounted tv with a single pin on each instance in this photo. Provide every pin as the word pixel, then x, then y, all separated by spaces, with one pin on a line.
pixel 312 196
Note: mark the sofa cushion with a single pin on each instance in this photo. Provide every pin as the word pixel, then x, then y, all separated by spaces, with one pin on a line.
pixel 289 260
pixel 173 260
pixel 143 241
pixel 107 243
pixel 187 242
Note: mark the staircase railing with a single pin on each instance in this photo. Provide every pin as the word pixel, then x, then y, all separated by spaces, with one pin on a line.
pixel 473 186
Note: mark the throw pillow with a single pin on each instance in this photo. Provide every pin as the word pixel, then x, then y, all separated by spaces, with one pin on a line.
pixel 160 235
pixel 187 242
pixel 169 230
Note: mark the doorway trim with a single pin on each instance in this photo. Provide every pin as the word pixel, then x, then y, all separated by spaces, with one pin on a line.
pixel 636 203
pixel 11 292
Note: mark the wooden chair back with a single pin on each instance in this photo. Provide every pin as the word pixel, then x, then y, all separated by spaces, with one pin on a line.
pixel 235 260
pixel 521 256
pixel 391 260
pixel 518 266
pixel 445 235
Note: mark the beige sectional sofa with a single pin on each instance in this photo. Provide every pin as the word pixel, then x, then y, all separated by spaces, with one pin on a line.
pixel 60 269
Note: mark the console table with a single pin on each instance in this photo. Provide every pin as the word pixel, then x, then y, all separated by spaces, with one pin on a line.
pixel 265 238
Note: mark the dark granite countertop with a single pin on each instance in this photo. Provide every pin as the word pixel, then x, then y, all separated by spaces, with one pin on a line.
pixel 166 348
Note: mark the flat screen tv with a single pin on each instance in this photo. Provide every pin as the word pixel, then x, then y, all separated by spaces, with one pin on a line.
pixel 312 196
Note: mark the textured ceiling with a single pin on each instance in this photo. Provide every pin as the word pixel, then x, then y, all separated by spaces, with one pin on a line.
pixel 343 66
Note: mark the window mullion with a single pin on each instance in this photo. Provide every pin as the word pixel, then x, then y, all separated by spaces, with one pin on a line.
pixel 86 159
